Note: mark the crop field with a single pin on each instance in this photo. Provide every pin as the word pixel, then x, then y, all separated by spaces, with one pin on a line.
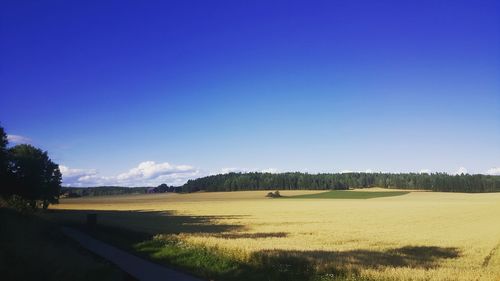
pixel 386 235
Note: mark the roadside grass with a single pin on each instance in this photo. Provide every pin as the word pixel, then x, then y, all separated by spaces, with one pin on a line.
pixel 214 263
pixel 34 249
pixel 348 194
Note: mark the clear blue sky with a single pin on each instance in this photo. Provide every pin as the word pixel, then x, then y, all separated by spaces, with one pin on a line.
pixel 211 86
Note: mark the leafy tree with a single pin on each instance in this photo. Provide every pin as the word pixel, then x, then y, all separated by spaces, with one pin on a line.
pixel 162 188
pixel 3 162
pixel 35 177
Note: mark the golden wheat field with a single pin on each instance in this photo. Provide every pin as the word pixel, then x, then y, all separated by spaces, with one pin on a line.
pixel 417 236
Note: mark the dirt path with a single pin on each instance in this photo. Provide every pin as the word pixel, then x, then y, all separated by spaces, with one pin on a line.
pixel 137 267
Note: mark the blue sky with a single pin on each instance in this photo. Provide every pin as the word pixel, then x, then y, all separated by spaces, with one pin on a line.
pixel 122 92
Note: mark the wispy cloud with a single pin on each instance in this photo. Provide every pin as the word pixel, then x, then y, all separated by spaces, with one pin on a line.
pixel 148 173
pixel 494 171
pixel 461 170
pixel 246 170
pixel 365 171
pixel 17 139
pixel 73 175
pixel 270 170
pixel 228 170
pixel 346 171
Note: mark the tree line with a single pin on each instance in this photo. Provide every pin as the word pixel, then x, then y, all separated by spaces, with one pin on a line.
pixel 341 181
pixel 28 177
pixel 72 192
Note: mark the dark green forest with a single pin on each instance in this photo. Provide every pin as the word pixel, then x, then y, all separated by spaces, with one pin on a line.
pixel 291 181
pixel 100 191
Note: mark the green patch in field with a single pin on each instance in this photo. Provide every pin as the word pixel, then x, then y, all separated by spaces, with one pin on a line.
pixel 348 194
pixel 213 263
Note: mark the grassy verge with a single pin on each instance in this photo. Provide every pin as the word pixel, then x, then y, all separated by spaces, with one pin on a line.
pixel 212 263
pixel 348 194
pixel 33 249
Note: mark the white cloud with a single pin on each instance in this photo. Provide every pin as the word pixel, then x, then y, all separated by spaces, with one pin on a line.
pixel 148 173
pixel 494 171
pixel 66 171
pixel 425 171
pixel 270 170
pixel 17 139
pixel 461 170
pixel 245 170
pixel 346 171
pixel 365 171
pixel 232 170
pixel 80 177
pixel 152 170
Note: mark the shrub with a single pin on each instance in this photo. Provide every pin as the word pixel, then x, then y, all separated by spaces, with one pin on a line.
pixel 275 194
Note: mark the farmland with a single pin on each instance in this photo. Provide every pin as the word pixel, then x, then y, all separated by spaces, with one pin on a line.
pixel 401 235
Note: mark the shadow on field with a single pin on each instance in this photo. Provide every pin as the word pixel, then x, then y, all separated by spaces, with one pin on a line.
pixel 410 256
pixel 282 265
pixel 257 235
pixel 134 231
pixel 308 265
pixel 151 222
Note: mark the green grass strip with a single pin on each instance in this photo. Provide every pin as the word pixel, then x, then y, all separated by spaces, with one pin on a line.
pixel 348 194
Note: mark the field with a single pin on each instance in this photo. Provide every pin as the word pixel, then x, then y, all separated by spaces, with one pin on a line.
pixel 404 236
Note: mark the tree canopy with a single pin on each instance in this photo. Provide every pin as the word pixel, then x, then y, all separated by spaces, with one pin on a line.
pixel 27 175
pixel 34 175
pixel 3 159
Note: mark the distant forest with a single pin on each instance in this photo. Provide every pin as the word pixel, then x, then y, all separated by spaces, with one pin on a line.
pixel 293 181
pixel 100 191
